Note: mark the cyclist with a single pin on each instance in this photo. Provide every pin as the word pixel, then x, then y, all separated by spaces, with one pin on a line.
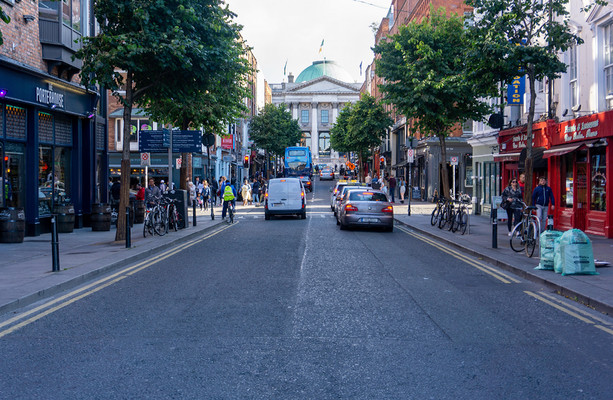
pixel 229 196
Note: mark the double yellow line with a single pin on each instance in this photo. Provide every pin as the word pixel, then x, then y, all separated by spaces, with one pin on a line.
pixel 501 276
pixel 78 294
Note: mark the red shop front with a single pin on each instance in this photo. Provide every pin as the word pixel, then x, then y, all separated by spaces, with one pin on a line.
pixel 512 150
pixel 579 161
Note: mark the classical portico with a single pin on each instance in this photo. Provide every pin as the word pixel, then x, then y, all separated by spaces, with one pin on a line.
pixel 315 104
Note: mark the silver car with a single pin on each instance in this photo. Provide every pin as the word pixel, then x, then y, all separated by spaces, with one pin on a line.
pixel 366 208
pixel 326 174
pixel 343 191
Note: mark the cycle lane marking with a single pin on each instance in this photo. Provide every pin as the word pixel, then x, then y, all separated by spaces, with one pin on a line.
pixel 97 285
pixel 480 266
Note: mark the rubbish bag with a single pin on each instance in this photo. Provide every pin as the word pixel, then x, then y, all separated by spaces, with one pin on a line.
pixel 547 241
pixel 577 253
pixel 558 265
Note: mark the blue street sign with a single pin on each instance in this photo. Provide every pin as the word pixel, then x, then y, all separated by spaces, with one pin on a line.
pixel 158 141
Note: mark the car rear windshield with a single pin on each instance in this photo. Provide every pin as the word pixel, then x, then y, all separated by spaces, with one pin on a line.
pixel 281 184
pixel 367 196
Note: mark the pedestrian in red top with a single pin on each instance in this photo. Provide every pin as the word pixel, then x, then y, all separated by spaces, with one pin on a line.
pixel 140 192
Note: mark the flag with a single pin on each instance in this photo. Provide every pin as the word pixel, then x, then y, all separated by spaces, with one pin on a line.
pixel 321 46
pixel 360 68
pixel 285 68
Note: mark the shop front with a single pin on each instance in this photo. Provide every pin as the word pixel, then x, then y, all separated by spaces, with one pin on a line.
pixel 579 161
pixel 52 145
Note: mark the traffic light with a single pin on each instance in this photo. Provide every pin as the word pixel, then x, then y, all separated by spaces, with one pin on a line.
pixel 246 162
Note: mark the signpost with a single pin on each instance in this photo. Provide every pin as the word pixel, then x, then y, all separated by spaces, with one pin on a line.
pixel 454 162
pixel 145 159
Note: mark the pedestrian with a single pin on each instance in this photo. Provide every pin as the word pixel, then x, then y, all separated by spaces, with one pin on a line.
pixel 115 193
pixel 152 193
pixel 245 189
pixel 206 193
pixel 392 187
pixel 511 202
pixel 163 186
pixel 403 189
pixel 256 192
pixel 192 192
pixel 542 197
pixel 140 192
pixel 214 189
pixel 199 189
pixel 522 183
pixel 368 179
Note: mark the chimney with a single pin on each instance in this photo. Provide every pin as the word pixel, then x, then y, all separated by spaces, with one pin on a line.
pixel 290 78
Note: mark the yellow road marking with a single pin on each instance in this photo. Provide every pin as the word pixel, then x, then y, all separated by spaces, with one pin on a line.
pixel 607 330
pixel 114 277
pixel 563 309
pixel 578 309
pixel 482 267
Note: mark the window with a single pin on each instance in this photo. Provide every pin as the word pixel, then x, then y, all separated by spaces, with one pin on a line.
pixel 572 72
pixel 306 140
pixel 598 177
pixel 324 143
pixel 71 14
pixel 304 116
pixel 324 117
pixel 566 174
pixel 608 59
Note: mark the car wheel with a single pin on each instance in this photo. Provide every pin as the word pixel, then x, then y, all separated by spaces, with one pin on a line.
pixel 303 215
pixel 342 226
pixel 389 228
pixel 266 216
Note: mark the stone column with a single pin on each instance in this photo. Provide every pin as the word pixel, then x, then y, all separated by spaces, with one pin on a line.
pixel 295 108
pixel 334 112
pixel 314 132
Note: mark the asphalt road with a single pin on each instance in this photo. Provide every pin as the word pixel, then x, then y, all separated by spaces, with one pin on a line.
pixel 297 309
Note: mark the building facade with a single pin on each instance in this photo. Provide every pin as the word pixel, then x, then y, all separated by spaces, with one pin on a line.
pixel 315 99
pixel 52 129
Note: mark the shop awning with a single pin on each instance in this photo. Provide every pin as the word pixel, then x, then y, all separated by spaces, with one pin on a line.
pixel 401 164
pixel 567 148
pixel 538 161
pixel 506 157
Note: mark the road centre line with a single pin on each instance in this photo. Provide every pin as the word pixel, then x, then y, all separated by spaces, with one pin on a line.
pixel 126 271
pixel 480 266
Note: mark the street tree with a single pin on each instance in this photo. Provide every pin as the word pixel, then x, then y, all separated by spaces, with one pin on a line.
pixel 426 79
pixel 521 35
pixel 211 91
pixel 4 17
pixel 274 129
pixel 142 45
pixel 362 127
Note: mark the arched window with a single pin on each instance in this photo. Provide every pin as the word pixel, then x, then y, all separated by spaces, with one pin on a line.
pixel 306 139
pixel 324 143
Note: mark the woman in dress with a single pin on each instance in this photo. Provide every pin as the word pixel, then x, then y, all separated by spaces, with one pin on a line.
pixel 245 192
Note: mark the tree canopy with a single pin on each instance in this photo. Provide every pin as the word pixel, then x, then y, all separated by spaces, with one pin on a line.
pixel 6 19
pixel 427 80
pixel 274 129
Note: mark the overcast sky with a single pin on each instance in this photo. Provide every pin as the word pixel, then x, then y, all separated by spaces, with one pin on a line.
pixel 292 31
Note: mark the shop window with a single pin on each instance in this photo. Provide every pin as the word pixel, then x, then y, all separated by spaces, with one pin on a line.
pixel 62 171
pixel 45 180
pixel 567 183
pixel 137 125
pixel 14 175
pixel 598 177
pixel 15 122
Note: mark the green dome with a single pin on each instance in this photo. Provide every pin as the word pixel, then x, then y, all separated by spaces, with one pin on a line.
pixel 327 68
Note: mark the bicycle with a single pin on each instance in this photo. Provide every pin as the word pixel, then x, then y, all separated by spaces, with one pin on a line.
pixel 153 221
pixel 447 215
pixel 461 219
pixel 174 219
pixel 525 235
pixel 436 213
pixel 231 213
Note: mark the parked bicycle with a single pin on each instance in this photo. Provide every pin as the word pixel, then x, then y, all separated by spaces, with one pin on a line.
pixel 436 213
pixel 154 220
pixel 525 235
pixel 172 214
pixel 460 223
pixel 447 215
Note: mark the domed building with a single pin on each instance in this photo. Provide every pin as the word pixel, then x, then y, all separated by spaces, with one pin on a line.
pixel 315 98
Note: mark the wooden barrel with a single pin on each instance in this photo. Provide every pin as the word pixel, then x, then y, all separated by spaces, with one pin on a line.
pixel 65 218
pixel 139 212
pixel 12 225
pixel 101 217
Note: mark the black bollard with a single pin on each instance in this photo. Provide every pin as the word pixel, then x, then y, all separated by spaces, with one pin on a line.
pixel 194 207
pixel 55 245
pixel 549 222
pixel 212 211
pixel 128 230
pixel 494 228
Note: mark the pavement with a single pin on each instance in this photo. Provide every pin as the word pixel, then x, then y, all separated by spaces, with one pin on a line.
pixel 26 268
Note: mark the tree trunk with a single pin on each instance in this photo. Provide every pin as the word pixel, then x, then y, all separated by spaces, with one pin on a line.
pixel 444 173
pixel 529 135
pixel 124 197
pixel 361 167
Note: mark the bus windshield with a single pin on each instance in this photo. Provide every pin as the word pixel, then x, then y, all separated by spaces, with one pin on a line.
pixel 298 161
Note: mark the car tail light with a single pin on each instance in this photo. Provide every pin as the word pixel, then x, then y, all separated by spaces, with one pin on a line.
pixel 350 207
pixel 388 209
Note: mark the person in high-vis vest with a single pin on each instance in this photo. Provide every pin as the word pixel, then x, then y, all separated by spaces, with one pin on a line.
pixel 229 198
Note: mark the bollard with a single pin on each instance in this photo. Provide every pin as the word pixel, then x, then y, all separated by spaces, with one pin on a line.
pixel 128 230
pixel 55 245
pixel 212 212
pixel 494 228
pixel 194 207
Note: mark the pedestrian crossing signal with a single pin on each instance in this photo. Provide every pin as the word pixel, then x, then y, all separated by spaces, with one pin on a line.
pixel 246 162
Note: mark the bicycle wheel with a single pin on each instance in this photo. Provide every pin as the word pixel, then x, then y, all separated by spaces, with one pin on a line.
pixel 435 216
pixel 442 220
pixel 174 216
pixel 231 214
pixel 147 227
pixel 464 222
pixel 156 215
pixel 517 238
pixel 451 220
pixel 531 238
pixel 456 221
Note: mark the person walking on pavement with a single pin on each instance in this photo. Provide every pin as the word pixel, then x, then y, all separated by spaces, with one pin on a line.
pixel 511 202
pixel 522 183
pixel 245 189
pixel 542 196
pixel 368 179
pixel 392 185
pixel 163 186
pixel 214 189
pixel 256 192
pixel 403 189
pixel 140 192
pixel 206 193
pixel 192 192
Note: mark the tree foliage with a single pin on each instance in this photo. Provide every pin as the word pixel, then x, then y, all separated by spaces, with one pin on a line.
pixel 427 80
pixel 274 129
pixel 360 127
pixel 4 17
pixel 520 35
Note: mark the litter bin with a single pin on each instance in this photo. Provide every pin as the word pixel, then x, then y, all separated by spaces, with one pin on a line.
pixel 101 217
pixel 575 254
pixel 181 196
pixel 65 218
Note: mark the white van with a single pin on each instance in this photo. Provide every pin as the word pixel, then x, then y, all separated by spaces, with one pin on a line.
pixel 285 196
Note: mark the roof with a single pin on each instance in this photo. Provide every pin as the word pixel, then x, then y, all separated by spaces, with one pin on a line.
pixel 324 68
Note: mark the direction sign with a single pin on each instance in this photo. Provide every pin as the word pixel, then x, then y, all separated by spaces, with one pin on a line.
pixel 152 141
pixel 158 141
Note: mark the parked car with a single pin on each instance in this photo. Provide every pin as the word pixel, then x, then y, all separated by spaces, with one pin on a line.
pixel 339 186
pixel 343 191
pixel 285 196
pixel 366 208
pixel 326 174
pixel 307 183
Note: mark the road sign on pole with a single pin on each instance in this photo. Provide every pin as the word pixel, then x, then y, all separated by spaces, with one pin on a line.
pixel 454 160
pixel 145 159
pixel 410 156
